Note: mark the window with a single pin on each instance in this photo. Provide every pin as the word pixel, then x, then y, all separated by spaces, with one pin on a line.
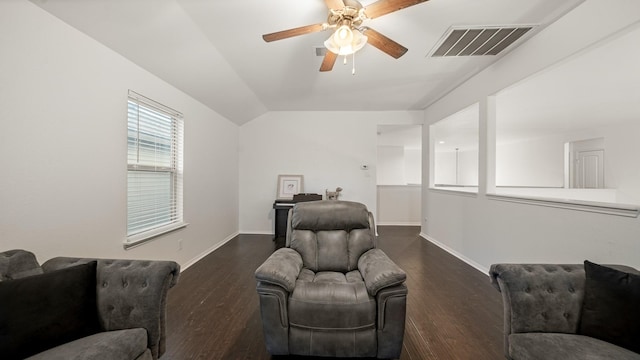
pixel 455 147
pixel 570 133
pixel 154 169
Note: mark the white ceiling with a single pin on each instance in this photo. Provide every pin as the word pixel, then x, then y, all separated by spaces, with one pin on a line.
pixel 213 50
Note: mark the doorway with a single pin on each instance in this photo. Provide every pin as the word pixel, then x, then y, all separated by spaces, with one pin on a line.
pixel 399 175
pixel 587 164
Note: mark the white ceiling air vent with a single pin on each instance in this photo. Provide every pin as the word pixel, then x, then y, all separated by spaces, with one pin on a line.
pixel 477 41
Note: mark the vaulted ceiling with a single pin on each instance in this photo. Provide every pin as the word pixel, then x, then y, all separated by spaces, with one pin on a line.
pixel 213 49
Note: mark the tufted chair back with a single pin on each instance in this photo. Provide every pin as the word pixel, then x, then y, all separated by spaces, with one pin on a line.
pixel 130 292
pixel 16 264
pixel 330 235
pixel 541 298
pixel 552 303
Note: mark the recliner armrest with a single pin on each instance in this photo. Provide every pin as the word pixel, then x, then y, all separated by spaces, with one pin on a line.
pixel 281 268
pixel 379 271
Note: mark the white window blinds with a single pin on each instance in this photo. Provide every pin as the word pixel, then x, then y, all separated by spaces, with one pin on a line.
pixel 154 176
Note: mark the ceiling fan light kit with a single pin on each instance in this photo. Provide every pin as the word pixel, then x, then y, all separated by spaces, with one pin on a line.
pixel 347 16
pixel 345 41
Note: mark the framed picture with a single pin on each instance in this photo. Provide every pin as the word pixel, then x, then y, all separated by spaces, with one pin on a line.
pixel 289 185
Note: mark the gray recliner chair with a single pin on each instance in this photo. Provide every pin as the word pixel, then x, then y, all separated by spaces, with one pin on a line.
pixel 330 291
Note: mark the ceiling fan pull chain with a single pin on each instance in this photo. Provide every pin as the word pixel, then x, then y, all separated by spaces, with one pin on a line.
pixel 353 62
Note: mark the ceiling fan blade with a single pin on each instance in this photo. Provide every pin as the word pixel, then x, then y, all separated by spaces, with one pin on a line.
pixel 334 4
pixel 384 43
pixel 328 61
pixel 383 7
pixel 303 30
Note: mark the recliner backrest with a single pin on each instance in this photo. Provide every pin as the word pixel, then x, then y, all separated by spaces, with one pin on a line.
pixel 330 235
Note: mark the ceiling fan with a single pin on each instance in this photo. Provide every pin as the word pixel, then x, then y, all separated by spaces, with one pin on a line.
pixel 347 16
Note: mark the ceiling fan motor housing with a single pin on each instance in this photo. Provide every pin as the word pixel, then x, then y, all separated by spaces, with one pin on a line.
pixel 352 14
pixel 347 16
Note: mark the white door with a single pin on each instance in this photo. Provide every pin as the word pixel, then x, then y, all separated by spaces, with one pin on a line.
pixel 590 169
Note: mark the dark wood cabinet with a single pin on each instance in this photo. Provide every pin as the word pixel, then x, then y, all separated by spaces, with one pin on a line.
pixel 282 208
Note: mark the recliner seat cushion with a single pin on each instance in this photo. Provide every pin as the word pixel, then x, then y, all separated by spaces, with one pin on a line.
pixel 331 300
pixel 556 346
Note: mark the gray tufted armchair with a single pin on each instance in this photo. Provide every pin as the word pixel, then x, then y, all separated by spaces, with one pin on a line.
pixel 542 311
pixel 330 291
pixel 131 304
pixel 131 294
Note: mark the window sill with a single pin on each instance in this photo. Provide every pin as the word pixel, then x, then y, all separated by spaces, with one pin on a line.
pixel 139 239
pixel 589 206
pixel 398 185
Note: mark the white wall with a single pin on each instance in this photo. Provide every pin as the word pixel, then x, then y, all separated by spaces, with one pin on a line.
pixel 399 205
pixel 485 231
pixel 391 165
pixel 398 165
pixel 328 148
pixel 63 146
pixel 445 168
pixel 413 165
pixel 531 162
pixel 540 162
pixel 621 144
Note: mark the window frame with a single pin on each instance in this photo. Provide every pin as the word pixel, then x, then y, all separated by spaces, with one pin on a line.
pixel 172 205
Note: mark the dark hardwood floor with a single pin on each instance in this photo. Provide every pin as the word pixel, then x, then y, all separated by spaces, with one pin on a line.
pixel 452 310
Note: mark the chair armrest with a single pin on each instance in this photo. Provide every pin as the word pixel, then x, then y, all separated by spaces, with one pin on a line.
pixel 131 294
pixel 379 271
pixel 281 268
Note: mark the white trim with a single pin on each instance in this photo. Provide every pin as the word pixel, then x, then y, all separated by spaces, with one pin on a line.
pixel 258 232
pixel 449 191
pixel 444 247
pixel 152 103
pixel 208 251
pixel 146 236
pixel 401 223
pixel 589 206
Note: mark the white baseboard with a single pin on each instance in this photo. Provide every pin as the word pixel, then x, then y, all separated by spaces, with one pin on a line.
pixel 257 232
pixel 444 247
pixel 208 251
pixel 395 223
